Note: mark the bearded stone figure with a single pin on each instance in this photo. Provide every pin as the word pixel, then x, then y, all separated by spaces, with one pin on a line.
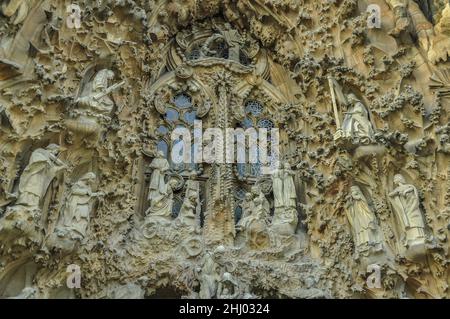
pixel 363 222
pixel 75 219
pixel 405 202
pixel 37 176
pixel 356 125
pixel 408 15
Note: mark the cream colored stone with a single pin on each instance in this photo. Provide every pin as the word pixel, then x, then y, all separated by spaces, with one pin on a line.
pixel 111 92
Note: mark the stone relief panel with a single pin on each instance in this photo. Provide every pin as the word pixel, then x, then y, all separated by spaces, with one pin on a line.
pixel 89 117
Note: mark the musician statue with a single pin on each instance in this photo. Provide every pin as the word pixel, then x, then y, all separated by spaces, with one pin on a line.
pixel 94 108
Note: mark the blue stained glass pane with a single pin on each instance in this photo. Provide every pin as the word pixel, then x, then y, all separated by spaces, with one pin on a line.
pixel 247 123
pixel 265 123
pixel 172 115
pixel 255 169
pixel 194 55
pixel 163 130
pixel 182 101
pixel 189 117
pixel 237 213
pixel 176 208
pixel 241 169
pixel 240 193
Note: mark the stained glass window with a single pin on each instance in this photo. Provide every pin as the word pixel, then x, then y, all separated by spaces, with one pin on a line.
pixel 265 123
pixel 172 115
pixel 181 114
pixel 177 203
pixel 162 146
pixel 237 213
pixel 163 130
pixel 254 112
pixel 182 101
pixel 253 107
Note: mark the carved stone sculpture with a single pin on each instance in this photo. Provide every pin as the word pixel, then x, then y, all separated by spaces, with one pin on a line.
pixel 93 109
pixel 187 214
pixel 76 216
pixel 193 190
pixel 37 176
pixel 401 15
pixel 247 210
pixel 158 185
pixel 285 198
pixel 209 277
pixel 406 204
pixel 254 221
pixel 409 17
pixel 357 126
pixel 230 37
pixel 363 222
pixel 17 8
pixel 161 203
pixel 228 288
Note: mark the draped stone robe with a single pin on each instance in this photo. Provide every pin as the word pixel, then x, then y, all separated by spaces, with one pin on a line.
pixel 357 124
pixel 77 213
pixel 36 178
pixel 405 201
pixel 364 224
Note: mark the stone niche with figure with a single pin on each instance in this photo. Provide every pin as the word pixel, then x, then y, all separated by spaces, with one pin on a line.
pixel 355 177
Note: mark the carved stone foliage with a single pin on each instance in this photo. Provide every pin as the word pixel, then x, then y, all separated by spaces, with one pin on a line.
pixel 88 122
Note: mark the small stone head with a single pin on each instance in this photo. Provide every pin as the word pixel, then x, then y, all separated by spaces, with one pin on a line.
pixel 193 197
pixel 356 192
pixel 192 175
pixel 101 80
pixel 89 178
pixel 287 165
pixel 352 99
pixel 160 154
pixel 227 277
pixel 219 252
pixel 173 183
pixel 399 180
pixel 256 189
pixel 53 148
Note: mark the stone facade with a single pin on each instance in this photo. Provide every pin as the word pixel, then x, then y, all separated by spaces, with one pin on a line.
pixel 90 92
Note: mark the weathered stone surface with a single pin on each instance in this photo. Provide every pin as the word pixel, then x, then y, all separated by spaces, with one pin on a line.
pixel 88 103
